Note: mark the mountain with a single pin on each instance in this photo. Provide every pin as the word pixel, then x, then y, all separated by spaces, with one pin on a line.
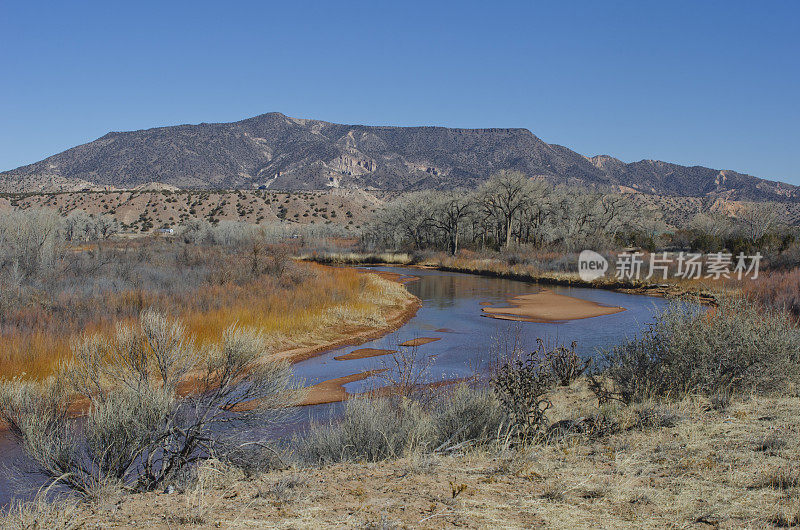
pixel 276 151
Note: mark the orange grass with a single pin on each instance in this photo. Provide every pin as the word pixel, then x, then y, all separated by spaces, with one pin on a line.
pixel 322 305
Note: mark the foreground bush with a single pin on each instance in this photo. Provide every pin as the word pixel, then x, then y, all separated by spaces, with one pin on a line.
pixel 139 430
pixel 736 347
pixel 373 429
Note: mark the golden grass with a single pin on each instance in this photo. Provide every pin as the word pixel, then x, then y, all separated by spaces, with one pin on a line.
pixel 357 258
pixel 324 304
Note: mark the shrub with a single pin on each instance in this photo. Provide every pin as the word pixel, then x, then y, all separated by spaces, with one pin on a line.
pixel 139 429
pixel 466 414
pixel 777 290
pixel 521 385
pixel 735 347
pixel 373 429
pixel 565 365
pixel 370 429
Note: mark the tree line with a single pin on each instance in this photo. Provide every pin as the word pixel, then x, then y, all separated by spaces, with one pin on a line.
pixel 511 210
pixel 508 210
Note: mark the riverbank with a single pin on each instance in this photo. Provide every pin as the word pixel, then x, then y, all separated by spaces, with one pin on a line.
pixel 389 306
pixel 706 292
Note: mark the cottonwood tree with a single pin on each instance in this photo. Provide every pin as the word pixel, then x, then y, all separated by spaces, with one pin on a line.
pixel 506 194
pixel 450 211
pixel 757 219
pixel 30 240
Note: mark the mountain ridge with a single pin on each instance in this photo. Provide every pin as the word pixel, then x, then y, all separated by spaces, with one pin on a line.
pixel 276 151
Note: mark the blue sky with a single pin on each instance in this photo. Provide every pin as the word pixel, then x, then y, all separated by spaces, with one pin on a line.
pixel 710 83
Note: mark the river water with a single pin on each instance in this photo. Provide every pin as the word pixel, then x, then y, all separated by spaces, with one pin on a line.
pixel 450 312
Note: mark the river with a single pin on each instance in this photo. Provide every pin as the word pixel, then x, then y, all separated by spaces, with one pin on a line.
pixel 452 313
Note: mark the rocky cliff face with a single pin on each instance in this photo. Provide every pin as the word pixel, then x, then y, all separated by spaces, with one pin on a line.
pixel 278 152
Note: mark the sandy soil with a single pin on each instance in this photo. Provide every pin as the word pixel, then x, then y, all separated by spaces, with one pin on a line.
pixel 363 353
pixel 419 341
pixel 547 306
pixel 332 390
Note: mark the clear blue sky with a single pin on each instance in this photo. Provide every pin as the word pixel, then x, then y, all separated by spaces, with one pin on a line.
pixel 711 83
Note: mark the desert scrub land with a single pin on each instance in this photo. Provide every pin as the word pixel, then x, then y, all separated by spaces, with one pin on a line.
pixel 140 211
pixel 676 465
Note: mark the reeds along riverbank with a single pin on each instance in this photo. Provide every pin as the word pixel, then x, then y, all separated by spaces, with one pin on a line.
pixel 701 289
pixel 304 308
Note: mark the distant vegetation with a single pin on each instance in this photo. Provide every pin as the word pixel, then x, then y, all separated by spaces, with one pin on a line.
pixel 56 281
pixel 513 213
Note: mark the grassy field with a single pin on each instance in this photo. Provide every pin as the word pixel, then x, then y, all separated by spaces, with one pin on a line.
pixel 295 305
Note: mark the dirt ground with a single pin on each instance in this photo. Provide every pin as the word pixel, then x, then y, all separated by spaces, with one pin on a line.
pixel 682 465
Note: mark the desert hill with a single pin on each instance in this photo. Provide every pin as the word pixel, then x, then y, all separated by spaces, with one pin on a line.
pixel 278 152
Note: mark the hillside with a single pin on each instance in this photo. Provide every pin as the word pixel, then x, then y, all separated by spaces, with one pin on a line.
pixel 276 151
pixel 141 211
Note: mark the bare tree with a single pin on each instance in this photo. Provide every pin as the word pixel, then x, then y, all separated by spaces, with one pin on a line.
pixel 757 219
pixel 450 211
pixel 506 194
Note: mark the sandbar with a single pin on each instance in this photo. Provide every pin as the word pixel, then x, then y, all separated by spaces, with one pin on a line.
pixel 547 306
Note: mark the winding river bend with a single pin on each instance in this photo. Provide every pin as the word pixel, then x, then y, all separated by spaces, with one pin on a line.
pixel 452 314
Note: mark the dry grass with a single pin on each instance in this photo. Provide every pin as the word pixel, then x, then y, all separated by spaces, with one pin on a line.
pixel 40 513
pixel 318 306
pixel 358 258
pixel 778 289
pixel 707 468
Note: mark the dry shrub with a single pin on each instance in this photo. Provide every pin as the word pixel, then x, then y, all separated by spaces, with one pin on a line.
pixel 369 430
pixel 521 385
pixel 778 290
pixel 565 365
pixel 734 348
pixel 372 429
pixel 140 430
pixel 649 415
pixel 464 415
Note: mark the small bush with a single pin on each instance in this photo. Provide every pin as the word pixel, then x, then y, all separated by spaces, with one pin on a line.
pixel 377 428
pixel 565 365
pixel 642 416
pixel 522 385
pixel 733 348
pixel 467 415
pixel 369 430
